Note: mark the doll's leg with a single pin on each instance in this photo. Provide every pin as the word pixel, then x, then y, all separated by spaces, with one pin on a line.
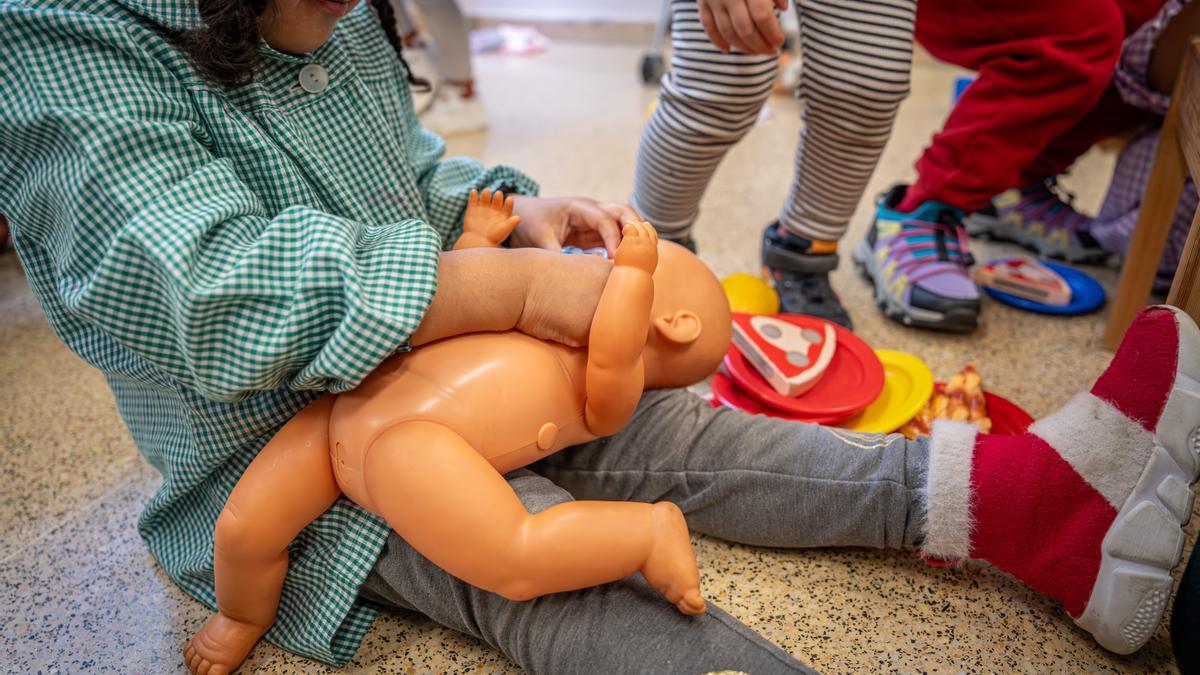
pixel 622 627
pixel 446 500
pixel 488 221
pixel 284 489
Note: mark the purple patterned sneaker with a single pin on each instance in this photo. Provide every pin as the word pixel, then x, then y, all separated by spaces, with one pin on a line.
pixel 918 262
pixel 1041 218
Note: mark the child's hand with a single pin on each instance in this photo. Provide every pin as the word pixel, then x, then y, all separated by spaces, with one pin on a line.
pixel 750 26
pixel 488 221
pixel 570 221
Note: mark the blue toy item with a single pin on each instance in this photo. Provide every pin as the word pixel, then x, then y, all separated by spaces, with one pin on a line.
pixel 575 250
pixel 1087 295
pixel 961 82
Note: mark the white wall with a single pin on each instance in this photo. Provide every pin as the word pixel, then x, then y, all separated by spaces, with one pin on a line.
pixel 620 11
pixel 637 11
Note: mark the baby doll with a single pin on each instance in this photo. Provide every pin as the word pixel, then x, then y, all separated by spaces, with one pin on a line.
pixel 425 440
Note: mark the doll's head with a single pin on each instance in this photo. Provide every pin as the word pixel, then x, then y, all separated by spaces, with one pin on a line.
pixel 690 322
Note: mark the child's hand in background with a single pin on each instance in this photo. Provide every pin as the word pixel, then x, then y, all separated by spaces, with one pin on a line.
pixel 750 26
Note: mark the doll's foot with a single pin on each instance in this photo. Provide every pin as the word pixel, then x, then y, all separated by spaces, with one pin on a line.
pixel 638 247
pixel 221 645
pixel 671 566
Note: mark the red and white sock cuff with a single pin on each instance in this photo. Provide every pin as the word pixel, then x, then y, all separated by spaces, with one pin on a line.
pixel 1107 449
pixel 948 520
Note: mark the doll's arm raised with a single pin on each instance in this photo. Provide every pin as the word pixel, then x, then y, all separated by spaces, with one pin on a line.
pixel 488 221
pixel 615 370
pixel 284 489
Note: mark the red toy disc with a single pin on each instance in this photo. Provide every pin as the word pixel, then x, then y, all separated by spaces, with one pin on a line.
pixel 728 394
pixel 852 381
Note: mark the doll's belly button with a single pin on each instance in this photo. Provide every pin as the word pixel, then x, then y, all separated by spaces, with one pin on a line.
pixel 546 436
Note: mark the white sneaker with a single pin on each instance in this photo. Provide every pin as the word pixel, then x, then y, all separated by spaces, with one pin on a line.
pixel 452 113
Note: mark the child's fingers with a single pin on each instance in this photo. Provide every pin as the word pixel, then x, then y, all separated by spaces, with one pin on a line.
pixel 497 199
pixel 473 198
pixel 739 16
pixel 508 205
pixel 762 13
pixel 725 24
pixel 485 197
pixel 710 27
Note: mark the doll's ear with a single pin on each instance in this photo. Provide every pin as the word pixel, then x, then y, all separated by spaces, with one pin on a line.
pixel 682 327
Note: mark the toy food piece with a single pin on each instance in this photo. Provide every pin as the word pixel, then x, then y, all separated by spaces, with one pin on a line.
pixel 1026 278
pixel 790 355
pixel 750 294
pixel 962 400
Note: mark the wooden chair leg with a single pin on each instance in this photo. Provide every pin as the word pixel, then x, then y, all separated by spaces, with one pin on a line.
pixel 1159 202
pixel 1185 290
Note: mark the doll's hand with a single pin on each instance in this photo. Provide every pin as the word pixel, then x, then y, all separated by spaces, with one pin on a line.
pixel 488 221
pixel 750 26
pixel 570 221
pixel 639 247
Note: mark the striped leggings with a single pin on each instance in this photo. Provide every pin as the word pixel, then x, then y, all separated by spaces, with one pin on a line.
pixel 856 57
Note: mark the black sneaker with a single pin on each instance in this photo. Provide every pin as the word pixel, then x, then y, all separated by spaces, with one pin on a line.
pixel 685 241
pixel 802 278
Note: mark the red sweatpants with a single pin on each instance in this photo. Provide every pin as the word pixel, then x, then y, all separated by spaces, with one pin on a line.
pixel 1042 98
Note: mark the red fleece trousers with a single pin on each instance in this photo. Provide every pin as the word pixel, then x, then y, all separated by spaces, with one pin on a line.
pixel 1043 96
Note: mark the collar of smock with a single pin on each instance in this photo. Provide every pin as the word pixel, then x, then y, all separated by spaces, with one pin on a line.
pixel 175 15
pixel 183 15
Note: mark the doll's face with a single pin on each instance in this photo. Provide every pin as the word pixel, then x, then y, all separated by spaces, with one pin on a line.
pixel 690 321
pixel 300 26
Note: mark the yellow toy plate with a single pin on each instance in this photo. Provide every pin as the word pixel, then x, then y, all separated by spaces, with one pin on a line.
pixel 750 294
pixel 907 385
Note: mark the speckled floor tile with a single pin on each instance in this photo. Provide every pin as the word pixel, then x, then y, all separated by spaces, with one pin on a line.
pixel 79 592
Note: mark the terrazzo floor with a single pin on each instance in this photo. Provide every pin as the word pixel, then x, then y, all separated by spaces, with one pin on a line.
pixel 79 592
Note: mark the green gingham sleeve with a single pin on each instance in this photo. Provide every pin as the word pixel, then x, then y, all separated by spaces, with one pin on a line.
pixel 445 183
pixel 161 245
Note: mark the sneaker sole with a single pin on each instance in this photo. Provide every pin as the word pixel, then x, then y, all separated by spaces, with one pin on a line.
pixel 908 315
pixel 991 227
pixel 1146 540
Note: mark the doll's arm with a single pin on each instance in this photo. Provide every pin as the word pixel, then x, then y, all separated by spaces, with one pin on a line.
pixel 284 489
pixel 488 221
pixel 615 370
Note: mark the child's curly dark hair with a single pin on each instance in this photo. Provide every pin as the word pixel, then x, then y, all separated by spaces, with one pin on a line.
pixel 226 49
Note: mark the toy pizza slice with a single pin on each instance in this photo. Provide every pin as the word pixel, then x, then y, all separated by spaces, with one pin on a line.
pixel 790 355
pixel 1026 278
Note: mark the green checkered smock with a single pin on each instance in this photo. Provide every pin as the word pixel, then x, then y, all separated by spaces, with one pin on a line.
pixel 225 255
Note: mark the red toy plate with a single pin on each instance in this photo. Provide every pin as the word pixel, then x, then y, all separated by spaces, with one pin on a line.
pixel 726 393
pixel 852 381
pixel 1008 418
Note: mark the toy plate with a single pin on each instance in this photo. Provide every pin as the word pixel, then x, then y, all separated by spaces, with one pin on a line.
pixel 852 381
pixel 1087 295
pixel 726 393
pixel 907 385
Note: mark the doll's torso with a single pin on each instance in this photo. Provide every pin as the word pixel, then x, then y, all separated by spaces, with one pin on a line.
pixel 514 398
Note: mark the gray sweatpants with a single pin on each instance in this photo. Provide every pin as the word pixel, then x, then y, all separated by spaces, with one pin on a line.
pixel 743 478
